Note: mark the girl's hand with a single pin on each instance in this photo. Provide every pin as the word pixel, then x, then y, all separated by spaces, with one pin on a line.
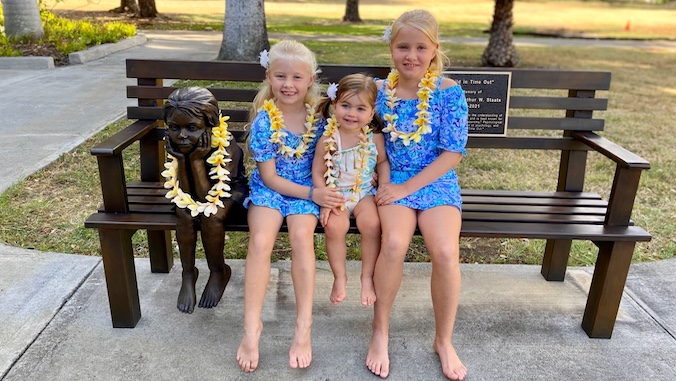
pixel 389 193
pixel 327 197
pixel 202 148
pixel 171 150
pixel 374 179
pixel 324 214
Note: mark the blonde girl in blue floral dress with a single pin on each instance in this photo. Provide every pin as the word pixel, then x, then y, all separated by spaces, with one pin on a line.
pixel 425 130
pixel 283 136
pixel 346 158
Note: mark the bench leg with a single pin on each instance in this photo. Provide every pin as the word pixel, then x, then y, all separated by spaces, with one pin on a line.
pixel 160 251
pixel 118 265
pixel 607 286
pixel 555 260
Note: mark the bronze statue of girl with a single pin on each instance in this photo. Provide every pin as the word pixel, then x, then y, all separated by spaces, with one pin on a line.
pixel 207 179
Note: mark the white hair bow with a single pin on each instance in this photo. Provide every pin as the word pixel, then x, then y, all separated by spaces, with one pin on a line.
pixel 332 91
pixel 387 34
pixel 265 59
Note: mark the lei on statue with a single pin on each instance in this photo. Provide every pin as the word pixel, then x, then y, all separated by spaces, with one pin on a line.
pixel 425 88
pixel 220 139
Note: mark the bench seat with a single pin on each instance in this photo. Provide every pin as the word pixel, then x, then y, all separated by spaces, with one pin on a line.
pixel 496 213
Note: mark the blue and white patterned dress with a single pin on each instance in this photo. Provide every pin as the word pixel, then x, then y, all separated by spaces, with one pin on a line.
pixel 297 170
pixel 448 119
pixel 347 164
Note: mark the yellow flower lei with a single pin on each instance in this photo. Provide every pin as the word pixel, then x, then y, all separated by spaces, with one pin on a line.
pixel 425 88
pixel 277 124
pixel 331 174
pixel 220 139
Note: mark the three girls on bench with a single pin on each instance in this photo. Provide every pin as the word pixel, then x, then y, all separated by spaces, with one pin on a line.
pixel 425 131
pixel 346 157
pixel 283 137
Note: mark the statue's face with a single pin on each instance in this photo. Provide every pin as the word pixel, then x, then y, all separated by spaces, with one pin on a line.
pixel 185 130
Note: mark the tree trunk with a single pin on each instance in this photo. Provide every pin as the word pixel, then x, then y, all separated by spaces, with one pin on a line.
pixel 500 51
pixel 352 11
pixel 22 19
pixel 148 8
pixel 128 6
pixel 244 34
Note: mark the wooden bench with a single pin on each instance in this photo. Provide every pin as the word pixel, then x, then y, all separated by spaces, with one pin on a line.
pixel 560 216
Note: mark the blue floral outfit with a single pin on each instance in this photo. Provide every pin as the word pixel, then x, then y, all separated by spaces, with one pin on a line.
pixel 448 120
pixel 297 170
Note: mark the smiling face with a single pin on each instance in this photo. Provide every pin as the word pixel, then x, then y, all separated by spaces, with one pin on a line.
pixel 412 52
pixel 289 80
pixel 353 112
pixel 184 130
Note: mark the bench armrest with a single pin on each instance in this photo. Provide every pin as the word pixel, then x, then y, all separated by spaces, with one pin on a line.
pixel 123 139
pixel 111 166
pixel 626 180
pixel 621 156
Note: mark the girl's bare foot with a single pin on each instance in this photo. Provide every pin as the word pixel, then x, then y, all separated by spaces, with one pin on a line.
pixel 368 292
pixel 378 358
pixel 300 354
pixel 338 292
pixel 450 362
pixel 247 353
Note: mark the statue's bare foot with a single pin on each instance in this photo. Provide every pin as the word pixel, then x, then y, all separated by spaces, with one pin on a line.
pixel 186 296
pixel 368 292
pixel 450 362
pixel 378 358
pixel 247 353
pixel 215 287
pixel 338 292
pixel 300 354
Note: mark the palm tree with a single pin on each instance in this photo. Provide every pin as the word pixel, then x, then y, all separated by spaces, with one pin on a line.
pixel 244 34
pixel 127 6
pixel 500 51
pixel 22 19
pixel 352 11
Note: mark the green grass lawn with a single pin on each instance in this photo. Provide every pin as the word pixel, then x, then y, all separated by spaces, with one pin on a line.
pixel 456 18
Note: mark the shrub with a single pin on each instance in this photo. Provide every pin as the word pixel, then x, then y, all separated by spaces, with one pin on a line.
pixel 68 36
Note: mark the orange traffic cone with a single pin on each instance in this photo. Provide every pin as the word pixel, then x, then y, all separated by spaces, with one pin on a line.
pixel 628 25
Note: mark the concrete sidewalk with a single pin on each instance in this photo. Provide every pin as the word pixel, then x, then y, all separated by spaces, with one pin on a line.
pixel 55 322
pixel 512 324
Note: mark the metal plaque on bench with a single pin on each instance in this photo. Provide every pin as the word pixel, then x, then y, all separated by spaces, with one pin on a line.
pixel 487 96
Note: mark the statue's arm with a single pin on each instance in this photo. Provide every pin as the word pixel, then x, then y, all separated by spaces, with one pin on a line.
pixel 198 166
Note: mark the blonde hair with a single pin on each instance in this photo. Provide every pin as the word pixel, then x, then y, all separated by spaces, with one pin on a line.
pixel 288 50
pixel 425 22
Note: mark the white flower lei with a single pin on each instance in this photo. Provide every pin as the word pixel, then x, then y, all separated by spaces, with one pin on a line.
pixel 331 174
pixel 277 125
pixel 220 139
pixel 425 88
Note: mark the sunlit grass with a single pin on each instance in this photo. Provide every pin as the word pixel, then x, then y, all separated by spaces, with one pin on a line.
pixel 456 18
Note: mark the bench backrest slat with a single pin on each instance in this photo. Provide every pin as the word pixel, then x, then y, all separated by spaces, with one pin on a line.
pixel 549 103
pixel 196 70
pixel 537 123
